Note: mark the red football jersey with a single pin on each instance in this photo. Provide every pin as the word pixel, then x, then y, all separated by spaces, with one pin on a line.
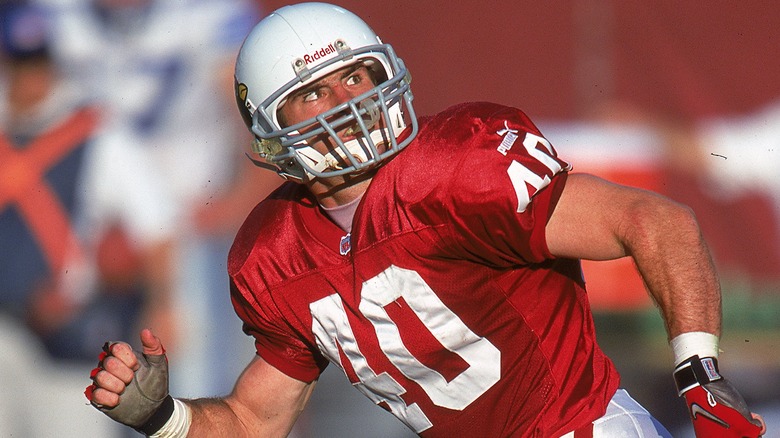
pixel 444 305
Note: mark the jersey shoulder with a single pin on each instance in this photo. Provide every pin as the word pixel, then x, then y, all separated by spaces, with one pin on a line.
pixel 482 171
pixel 467 146
pixel 468 133
pixel 473 121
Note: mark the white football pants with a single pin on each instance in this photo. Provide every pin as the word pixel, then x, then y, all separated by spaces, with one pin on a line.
pixel 625 418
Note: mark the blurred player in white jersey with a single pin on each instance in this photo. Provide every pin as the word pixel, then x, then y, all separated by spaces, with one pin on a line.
pixel 163 71
pixel 69 190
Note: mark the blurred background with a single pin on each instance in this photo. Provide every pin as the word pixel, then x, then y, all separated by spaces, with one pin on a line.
pixel 122 178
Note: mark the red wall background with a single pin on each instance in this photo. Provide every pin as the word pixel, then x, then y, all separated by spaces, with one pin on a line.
pixel 562 59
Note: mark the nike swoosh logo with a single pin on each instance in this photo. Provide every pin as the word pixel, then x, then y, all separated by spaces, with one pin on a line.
pixel 698 410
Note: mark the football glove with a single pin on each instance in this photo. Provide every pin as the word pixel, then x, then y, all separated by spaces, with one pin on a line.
pixel 716 408
pixel 145 405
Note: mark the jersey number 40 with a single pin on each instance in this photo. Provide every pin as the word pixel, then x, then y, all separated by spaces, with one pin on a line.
pixel 482 357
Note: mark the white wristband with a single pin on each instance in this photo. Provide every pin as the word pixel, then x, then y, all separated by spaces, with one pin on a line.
pixel 700 344
pixel 179 424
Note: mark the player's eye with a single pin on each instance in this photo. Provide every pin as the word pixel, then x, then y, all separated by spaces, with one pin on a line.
pixel 354 79
pixel 310 96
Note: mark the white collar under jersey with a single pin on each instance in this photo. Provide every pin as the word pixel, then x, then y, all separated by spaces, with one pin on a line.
pixel 342 214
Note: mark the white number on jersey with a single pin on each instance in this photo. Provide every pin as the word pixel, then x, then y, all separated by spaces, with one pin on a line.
pixel 522 177
pixel 331 329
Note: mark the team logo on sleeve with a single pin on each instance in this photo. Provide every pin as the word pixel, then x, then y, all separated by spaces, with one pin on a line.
pixel 510 136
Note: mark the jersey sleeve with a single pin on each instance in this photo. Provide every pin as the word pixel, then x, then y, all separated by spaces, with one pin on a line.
pixel 273 337
pixel 277 341
pixel 503 188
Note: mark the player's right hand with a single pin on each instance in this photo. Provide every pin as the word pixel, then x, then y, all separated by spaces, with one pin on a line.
pixel 715 406
pixel 132 387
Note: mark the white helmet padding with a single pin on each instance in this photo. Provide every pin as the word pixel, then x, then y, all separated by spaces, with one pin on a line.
pixel 298 45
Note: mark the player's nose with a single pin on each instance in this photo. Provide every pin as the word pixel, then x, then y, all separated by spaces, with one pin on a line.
pixel 343 94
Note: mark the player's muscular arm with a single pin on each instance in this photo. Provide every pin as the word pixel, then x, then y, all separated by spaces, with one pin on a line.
pixel 265 402
pixel 598 220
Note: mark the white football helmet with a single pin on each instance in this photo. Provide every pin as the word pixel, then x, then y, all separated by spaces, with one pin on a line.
pixel 300 44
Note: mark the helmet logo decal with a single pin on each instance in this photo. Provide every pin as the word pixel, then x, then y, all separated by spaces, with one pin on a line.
pixel 241 93
pixel 241 90
pixel 319 54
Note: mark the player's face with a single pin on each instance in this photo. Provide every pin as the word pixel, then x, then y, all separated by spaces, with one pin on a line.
pixel 30 81
pixel 336 88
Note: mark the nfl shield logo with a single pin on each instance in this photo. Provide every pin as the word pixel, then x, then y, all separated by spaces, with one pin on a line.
pixel 345 245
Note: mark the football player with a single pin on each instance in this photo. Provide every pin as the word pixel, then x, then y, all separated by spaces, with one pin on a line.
pixel 435 260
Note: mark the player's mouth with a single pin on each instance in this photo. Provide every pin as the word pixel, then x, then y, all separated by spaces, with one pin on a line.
pixel 370 118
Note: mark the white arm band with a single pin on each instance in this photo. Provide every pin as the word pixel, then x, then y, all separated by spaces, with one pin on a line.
pixel 179 424
pixel 700 344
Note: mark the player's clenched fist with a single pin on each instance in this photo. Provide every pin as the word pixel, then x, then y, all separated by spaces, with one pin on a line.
pixel 132 387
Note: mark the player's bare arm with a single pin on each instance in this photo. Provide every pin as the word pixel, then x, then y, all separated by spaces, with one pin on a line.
pixel 264 402
pixel 598 220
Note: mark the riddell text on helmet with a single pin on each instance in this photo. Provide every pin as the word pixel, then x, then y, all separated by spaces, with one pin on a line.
pixel 319 54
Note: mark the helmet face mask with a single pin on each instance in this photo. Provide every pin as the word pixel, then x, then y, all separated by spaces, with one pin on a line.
pixel 373 120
